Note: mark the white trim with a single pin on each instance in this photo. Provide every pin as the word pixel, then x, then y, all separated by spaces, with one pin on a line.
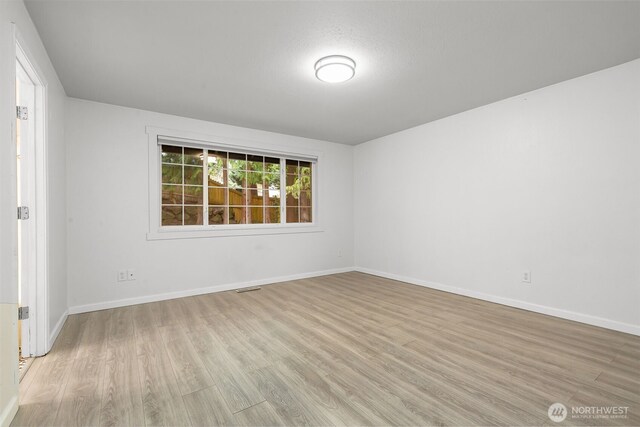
pixel 8 233
pixel 196 232
pixel 157 232
pixel 199 291
pixel 39 299
pixel 543 309
pixel 9 411
pixel 231 143
pixel 214 144
pixel 27 230
pixel 56 331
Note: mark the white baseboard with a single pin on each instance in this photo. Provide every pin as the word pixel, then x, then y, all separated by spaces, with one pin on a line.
pixel 564 314
pixel 199 291
pixel 56 330
pixel 9 411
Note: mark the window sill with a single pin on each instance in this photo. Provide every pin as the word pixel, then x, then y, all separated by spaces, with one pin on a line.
pixel 197 232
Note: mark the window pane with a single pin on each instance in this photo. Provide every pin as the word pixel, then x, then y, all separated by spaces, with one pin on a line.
pixel 217 196
pixel 237 196
pixel 217 177
pixel 305 178
pixel 217 158
pixel 272 215
pixel 272 197
pixel 237 215
pixel 193 175
pixel 216 215
pixel 192 195
pixel 255 197
pixel 171 174
pixel 172 215
pixel 172 194
pixel 237 178
pixel 272 164
pixel 193 215
pixel 292 180
pixel 305 198
pixel 272 180
pixel 256 215
pixel 254 178
pixel 292 214
pixel 305 214
pixel 216 167
pixel 292 200
pixel 292 167
pixel 241 188
pixel 255 163
pixel 193 156
pixel 171 154
pixel 237 161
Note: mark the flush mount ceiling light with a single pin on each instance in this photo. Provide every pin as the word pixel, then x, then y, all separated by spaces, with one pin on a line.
pixel 335 69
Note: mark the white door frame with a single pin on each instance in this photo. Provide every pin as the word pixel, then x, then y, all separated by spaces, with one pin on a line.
pixel 39 291
pixel 26 189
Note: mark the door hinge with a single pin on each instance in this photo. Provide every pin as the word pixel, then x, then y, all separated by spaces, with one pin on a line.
pixel 23 313
pixel 22 113
pixel 23 212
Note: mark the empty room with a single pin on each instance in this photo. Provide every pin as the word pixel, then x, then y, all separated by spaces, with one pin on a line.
pixel 325 213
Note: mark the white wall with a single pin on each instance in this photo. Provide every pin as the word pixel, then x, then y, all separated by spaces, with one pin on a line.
pixel 109 215
pixel 548 181
pixel 56 211
pixel 15 12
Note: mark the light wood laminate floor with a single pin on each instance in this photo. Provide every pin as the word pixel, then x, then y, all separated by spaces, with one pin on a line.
pixel 347 349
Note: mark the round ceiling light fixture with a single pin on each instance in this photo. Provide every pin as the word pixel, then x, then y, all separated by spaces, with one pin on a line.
pixel 335 69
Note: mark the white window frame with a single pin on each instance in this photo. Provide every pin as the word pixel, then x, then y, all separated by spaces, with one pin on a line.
pixel 190 139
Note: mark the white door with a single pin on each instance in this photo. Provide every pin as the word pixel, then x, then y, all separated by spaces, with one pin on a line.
pixel 25 148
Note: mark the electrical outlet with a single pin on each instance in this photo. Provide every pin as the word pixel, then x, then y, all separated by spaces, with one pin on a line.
pixel 526 277
pixel 131 274
pixel 122 275
pixel 339 253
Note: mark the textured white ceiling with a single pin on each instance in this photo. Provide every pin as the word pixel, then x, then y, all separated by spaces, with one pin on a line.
pixel 251 63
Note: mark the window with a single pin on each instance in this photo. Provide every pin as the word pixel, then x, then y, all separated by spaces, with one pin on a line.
pixel 182 186
pixel 298 191
pixel 214 187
